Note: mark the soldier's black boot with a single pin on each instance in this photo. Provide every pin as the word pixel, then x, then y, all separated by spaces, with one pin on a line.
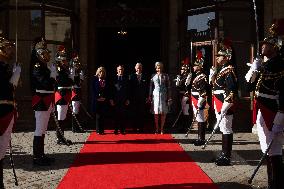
pixel 277 172
pixel 51 160
pixel 37 153
pixel 201 134
pixel 1 175
pixel 269 172
pixel 61 140
pixel 225 157
pixel 75 127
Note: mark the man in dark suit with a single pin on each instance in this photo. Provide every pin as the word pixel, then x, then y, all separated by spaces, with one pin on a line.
pixel 139 93
pixel 119 98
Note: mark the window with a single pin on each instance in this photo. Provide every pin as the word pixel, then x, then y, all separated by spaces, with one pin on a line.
pixel 200 26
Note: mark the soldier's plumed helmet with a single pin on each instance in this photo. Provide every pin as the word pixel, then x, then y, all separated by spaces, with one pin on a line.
pixel 75 61
pixel 41 49
pixel 61 53
pixel 273 38
pixel 185 67
pixel 225 48
pixel 4 45
pixel 199 61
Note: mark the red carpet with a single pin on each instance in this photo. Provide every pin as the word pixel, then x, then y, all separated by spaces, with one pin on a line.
pixel 134 161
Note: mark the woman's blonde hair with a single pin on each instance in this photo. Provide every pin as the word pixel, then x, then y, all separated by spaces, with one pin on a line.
pixel 101 69
pixel 160 64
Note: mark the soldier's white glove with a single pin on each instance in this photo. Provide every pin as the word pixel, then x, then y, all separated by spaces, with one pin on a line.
pixel 252 73
pixel 82 75
pixel 178 80
pixel 256 64
pixel 213 72
pixel 72 73
pixel 53 71
pixel 200 102
pixel 16 75
pixel 188 79
pixel 225 107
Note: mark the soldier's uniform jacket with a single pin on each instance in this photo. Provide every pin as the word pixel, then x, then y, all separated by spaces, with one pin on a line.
pixel 64 86
pixel 199 89
pixel 76 90
pixel 269 91
pixel 225 88
pixel 7 101
pixel 42 86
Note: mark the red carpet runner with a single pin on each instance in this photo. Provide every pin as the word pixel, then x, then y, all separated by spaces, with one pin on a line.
pixel 134 161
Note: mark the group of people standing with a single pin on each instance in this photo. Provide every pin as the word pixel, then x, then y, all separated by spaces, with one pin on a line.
pixel 194 89
pixel 265 79
pixel 131 94
pixel 56 88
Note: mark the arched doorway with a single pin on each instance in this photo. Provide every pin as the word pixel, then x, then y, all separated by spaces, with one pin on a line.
pixel 138 45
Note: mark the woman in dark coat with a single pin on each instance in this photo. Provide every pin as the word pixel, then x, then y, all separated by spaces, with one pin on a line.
pixel 99 102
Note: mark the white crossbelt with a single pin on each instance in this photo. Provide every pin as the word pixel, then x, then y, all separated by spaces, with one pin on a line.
pixel 44 91
pixel 218 92
pixel 64 87
pixel 274 97
pixel 195 93
pixel 76 87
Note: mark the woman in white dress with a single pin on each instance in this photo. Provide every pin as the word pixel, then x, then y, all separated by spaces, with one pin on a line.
pixel 160 95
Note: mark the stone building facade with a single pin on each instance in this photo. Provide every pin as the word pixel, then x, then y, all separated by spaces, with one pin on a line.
pixel 157 31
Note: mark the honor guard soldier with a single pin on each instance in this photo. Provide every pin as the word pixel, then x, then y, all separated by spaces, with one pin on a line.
pixel 267 78
pixel 77 74
pixel 183 84
pixel 42 84
pixel 224 83
pixel 63 93
pixel 199 97
pixel 9 79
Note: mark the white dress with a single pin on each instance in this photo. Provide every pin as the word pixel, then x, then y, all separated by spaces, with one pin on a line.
pixel 159 91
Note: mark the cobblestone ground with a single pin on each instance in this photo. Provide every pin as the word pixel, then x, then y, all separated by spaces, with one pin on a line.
pixel 245 157
pixel 31 177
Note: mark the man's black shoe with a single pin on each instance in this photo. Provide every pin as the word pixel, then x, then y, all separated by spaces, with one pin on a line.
pixel 63 142
pixel 223 161
pixel 199 142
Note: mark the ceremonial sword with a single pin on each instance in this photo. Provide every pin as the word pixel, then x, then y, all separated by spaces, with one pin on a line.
pixel 260 162
pixel 213 132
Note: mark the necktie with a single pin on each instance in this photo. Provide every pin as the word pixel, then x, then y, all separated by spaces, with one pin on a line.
pixel 102 83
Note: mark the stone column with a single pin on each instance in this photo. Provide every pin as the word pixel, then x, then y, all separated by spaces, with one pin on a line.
pixel 173 43
pixel 83 32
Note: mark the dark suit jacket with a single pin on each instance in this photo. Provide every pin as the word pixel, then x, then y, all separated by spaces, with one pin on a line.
pixel 139 90
pixel 98 91
pixel 119 90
